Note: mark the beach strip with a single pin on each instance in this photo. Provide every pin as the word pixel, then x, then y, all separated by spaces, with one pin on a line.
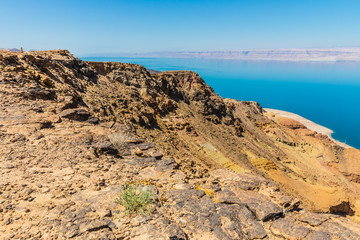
pixel 307 123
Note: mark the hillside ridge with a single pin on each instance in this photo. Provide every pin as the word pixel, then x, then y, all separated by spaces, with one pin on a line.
pixel 74 132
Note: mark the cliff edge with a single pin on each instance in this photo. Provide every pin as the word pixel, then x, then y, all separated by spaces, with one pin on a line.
pixel 73 132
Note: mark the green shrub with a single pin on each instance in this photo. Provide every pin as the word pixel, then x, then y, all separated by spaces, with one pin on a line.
pixel 135 199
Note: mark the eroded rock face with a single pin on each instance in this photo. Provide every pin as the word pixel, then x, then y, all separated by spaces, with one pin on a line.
pixel 292 124
pixel 73 132
pixel 78 114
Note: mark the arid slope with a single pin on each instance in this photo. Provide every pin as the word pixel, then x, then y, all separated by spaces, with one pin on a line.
pixel 73 132
pixel 189 120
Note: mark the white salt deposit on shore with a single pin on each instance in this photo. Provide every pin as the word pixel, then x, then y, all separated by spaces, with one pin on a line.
pixel 307 123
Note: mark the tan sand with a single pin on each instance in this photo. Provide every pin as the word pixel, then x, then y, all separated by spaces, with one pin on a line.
pixel 307 123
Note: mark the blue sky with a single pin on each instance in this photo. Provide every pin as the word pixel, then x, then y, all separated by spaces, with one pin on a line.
pixel 108 26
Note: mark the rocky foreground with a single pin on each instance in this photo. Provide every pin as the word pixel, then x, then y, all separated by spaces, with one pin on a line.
pixel 73 132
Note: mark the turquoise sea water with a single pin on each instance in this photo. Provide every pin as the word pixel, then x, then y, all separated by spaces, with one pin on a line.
pixel 327 93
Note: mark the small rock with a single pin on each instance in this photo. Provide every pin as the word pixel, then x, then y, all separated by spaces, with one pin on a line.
pixel 29 191
pixel 227 196
pixel 105 147
pixel 157 155
pixel 138 152
pixel 39 136
pixel 9 166
pixel 104 213
pixel 40 93
pixel 313 219
pixel 289 229
pixel 180 195
pixel 46 124
pixel 37 109
pixel 71 231
pixel 93 225
pixel 77 114
pixel 93 120
pixel 318 235
pixel 261 205
pixel 67 178
pixel 110 223
pixel 30 199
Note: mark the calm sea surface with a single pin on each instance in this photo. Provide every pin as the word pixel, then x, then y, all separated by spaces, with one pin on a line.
pixel 326 93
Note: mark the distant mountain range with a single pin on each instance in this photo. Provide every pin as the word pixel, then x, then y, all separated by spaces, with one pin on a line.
pixel 290 54
pixel 296 54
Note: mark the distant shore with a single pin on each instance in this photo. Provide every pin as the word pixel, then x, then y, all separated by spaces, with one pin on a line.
pixel 291 54
pixel 309 124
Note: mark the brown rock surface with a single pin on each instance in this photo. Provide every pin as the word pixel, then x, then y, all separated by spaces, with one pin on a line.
pixel 73 132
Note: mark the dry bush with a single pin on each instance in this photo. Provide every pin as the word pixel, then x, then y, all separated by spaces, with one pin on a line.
pixel 119 140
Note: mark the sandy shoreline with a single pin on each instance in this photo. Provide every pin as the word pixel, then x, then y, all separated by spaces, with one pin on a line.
pixel 307 123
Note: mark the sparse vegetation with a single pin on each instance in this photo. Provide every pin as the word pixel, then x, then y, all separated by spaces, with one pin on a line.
pixel 266 146
pixel 119 141
pixel 135 199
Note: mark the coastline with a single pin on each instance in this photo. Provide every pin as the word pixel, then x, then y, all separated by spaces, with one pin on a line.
pixel 309 124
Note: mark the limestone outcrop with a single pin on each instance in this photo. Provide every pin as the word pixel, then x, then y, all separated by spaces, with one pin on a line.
pixel 72 132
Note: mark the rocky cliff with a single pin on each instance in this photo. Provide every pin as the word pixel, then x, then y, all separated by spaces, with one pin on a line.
pixel 73 132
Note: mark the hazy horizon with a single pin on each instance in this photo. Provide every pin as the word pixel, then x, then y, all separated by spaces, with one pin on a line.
pixel 93 27
pixel 224 50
